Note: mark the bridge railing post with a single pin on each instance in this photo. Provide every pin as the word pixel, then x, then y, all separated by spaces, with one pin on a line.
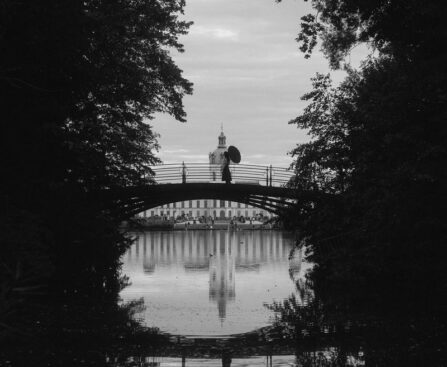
pixel 267 176
pixel 271 174
pixel 183 172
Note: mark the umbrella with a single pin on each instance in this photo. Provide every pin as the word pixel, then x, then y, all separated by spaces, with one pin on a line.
pixel 234 154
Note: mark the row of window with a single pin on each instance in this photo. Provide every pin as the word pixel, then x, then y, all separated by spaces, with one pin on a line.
pixel 206 214
pixel 222 204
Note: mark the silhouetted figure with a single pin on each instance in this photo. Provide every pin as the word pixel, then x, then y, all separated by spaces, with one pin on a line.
pixel 226 174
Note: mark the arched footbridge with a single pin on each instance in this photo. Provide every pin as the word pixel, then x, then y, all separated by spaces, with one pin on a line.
pixel 264 187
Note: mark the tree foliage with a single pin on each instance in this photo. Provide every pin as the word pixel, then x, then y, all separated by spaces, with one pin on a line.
pixel 79 80
pixel 411 29
pixel 378 139
pixel 376 224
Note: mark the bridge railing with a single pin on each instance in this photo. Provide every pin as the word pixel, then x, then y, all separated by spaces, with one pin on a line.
pixel 206 172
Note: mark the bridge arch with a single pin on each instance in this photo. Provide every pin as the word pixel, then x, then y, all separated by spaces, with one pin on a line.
pixel 133 200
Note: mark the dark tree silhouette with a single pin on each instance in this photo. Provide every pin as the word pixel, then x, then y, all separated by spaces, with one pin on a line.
pixel 78 78
pixel 378 139
pixel 80 81
pixel 376 161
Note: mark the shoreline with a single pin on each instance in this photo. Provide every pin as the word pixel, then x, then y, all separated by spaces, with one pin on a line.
pixel 200 226
pixel 182 226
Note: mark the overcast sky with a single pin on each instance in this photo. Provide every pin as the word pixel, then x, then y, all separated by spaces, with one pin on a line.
pixel 248 75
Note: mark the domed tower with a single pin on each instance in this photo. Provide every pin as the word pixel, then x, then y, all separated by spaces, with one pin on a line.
pixel 217 156
pixel 222 140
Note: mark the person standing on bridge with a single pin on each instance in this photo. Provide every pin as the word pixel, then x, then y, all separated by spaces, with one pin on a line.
pixel 226 174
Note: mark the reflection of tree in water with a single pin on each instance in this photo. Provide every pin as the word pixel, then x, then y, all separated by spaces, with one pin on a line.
pixel 360 322
pixel 83 323
pixel 297 274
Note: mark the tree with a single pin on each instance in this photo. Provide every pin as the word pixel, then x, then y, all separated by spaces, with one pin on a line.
pixel 410 30
pixel 376 224
pixel 373 154
pixel 79 80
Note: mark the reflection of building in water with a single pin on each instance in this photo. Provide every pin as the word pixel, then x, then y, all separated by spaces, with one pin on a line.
pixel 249 250
pixel 222 279
pixel 221 253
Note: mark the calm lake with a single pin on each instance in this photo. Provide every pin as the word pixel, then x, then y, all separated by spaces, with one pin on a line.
pixel 211 283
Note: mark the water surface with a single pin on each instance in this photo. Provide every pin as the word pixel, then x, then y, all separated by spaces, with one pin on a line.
pixel 210 283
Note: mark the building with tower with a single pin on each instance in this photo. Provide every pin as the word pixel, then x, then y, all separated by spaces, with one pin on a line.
pixel 217 209
pixel 216 157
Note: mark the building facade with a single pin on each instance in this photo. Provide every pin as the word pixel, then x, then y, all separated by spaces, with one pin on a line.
pixel 210 207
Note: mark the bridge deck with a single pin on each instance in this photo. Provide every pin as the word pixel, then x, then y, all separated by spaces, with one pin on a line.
pixel 264 187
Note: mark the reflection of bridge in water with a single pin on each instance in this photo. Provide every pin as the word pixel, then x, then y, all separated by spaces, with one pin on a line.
pixel 222 254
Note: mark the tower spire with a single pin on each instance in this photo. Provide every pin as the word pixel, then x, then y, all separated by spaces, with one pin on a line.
pixel 222 138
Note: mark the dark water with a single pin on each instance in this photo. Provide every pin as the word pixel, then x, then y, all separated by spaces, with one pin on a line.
pixel 203 297
pixel 211 283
